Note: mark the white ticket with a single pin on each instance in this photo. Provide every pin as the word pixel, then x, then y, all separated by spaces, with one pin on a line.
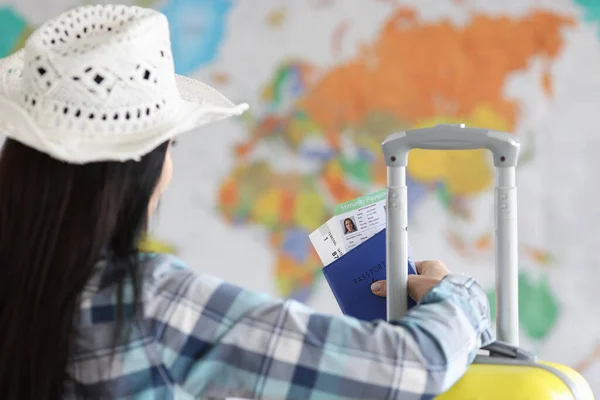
pixel 353 222
pixel 327 241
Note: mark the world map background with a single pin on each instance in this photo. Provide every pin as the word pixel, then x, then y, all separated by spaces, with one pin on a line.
pixel 327 80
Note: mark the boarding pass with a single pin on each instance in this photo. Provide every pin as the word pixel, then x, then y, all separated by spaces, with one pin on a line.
pixel 353 222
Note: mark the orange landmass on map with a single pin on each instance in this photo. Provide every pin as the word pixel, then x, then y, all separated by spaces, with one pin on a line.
pixel 416 71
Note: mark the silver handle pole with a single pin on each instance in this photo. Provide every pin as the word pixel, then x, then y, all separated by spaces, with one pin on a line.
pixel 397 244
pixel 507 259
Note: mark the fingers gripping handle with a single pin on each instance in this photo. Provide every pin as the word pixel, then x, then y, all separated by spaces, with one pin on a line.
pixel 504 147
pixel 505 150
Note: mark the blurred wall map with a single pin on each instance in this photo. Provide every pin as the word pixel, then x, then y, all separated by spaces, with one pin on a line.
pixel 327 80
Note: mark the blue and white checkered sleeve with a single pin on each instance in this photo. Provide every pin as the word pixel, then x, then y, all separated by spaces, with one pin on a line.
pixel 219 340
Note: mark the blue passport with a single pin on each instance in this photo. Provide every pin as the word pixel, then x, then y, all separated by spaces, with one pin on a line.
pixel 350 277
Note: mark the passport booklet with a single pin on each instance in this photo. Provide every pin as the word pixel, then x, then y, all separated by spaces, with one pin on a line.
pixel 351 246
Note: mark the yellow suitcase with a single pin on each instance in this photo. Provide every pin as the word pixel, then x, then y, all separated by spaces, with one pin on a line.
pixel 509 372
pixel 503 370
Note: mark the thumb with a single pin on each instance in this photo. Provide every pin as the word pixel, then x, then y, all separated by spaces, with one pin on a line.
pixel 419 266
pixel 379 288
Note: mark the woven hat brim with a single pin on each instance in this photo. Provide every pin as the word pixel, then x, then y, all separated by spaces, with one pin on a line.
pixel 201 105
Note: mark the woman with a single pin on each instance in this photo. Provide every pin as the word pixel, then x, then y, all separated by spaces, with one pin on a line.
pixel 349 226
pixel 90 108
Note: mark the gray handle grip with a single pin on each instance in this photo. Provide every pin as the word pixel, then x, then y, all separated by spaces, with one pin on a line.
pixel 505 149
pixel 504 146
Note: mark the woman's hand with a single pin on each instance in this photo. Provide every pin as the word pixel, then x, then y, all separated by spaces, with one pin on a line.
pixel 429 274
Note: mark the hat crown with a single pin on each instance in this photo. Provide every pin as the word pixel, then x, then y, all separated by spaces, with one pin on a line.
pixel 98 83
pixel 99 65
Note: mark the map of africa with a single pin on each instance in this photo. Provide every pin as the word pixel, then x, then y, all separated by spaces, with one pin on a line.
pixel 321 109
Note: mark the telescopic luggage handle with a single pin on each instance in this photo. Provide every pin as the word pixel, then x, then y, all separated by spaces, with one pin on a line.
pixel 505 150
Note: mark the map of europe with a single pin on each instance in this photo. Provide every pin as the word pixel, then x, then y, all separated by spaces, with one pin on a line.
pixel 309 111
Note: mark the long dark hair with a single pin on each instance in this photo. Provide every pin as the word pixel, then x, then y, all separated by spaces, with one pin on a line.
pixel 56 219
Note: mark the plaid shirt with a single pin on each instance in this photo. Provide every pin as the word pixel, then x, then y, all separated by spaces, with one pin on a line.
pixel 203 338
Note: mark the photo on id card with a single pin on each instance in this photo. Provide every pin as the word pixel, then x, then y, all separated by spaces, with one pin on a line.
pixel 361 218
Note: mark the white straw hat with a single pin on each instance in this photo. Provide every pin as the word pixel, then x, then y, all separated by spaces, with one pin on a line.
pixel 97 83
